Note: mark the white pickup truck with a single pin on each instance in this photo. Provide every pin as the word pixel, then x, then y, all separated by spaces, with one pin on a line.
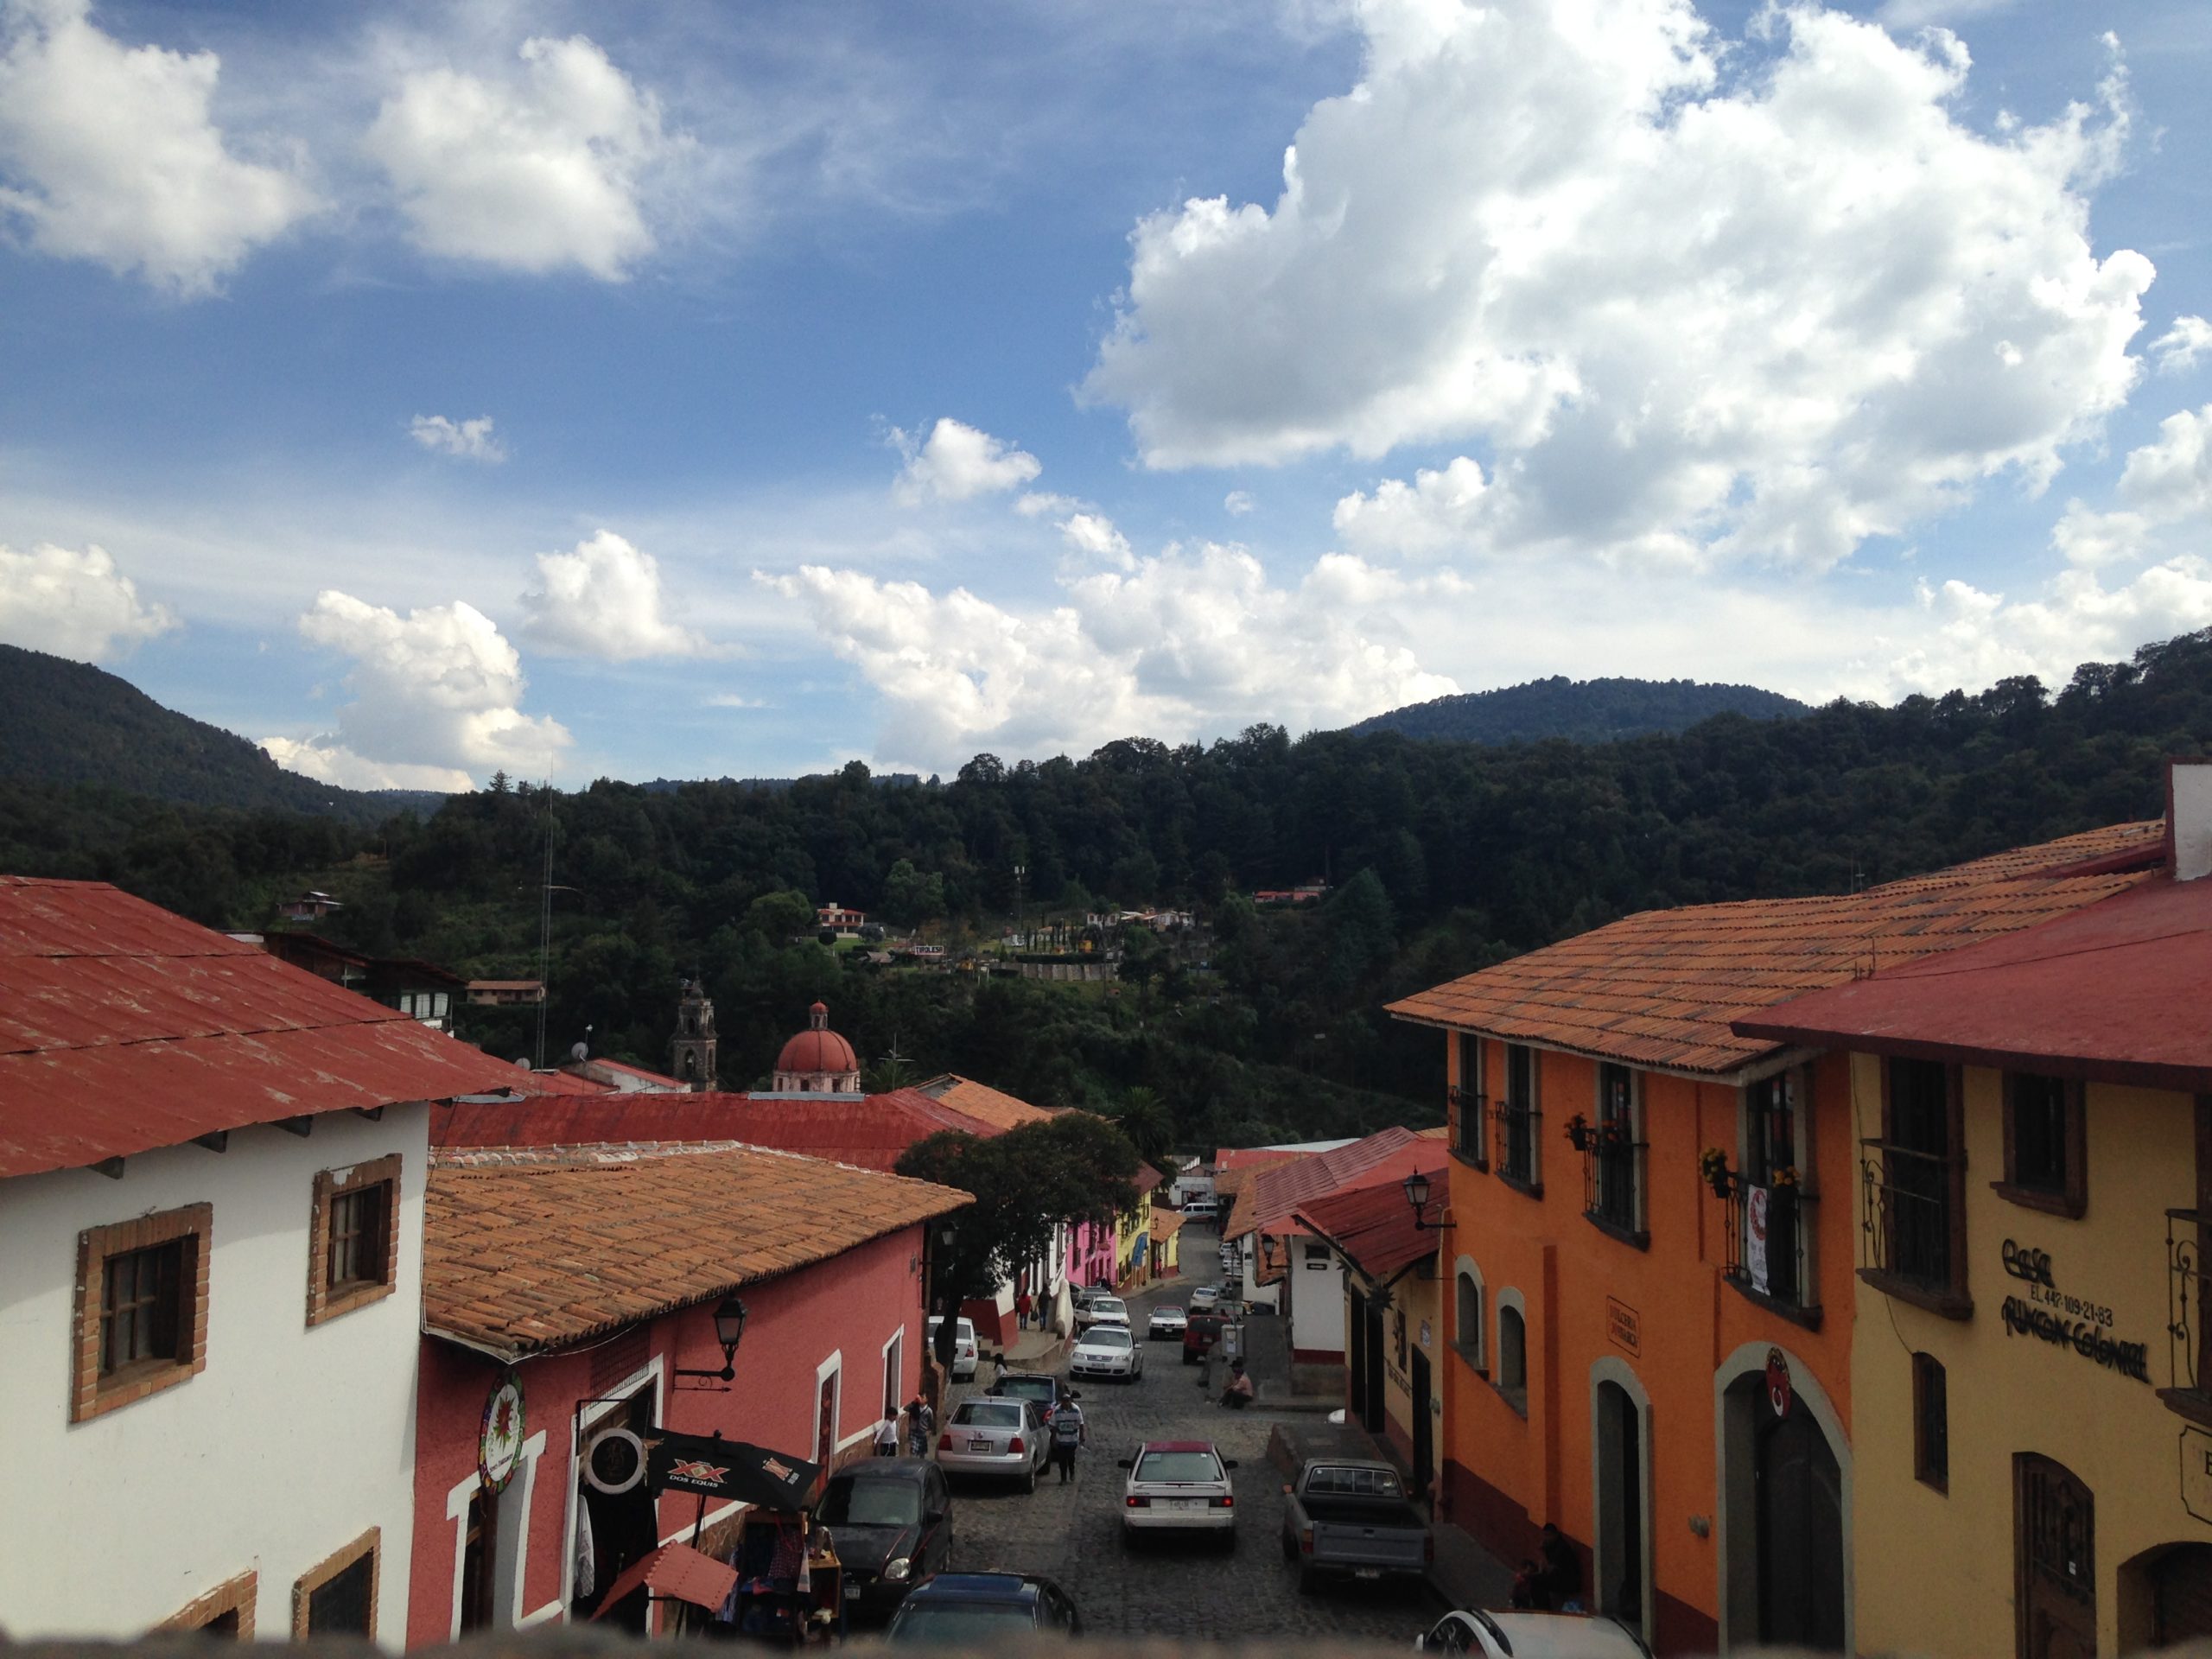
pixel 1348 1517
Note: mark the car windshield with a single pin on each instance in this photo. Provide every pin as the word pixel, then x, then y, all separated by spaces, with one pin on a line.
pixel 1178 1465
pixel 1109 1336
pixel 989 1414
pixel 1109 1305
pixel 1348 1482
pixel 1167 1313
pixel 979 1625
pixel 1043 1389
pixel 851 1502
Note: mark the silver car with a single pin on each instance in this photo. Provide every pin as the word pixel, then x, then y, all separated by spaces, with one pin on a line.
pixel 995 1436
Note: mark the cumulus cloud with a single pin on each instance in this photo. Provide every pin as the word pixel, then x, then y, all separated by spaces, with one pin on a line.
pixel 110 153
pixel 436 701
pixel 604 600
pixel 956 462
pixel 1237 503
pixel 1093 537
pixel 463 440
pixel 1759 300
pixel 2179 348
pixel 1036 504
pixel 2164 484
pixel 74 603
pixel 541 170
pixel 1192 642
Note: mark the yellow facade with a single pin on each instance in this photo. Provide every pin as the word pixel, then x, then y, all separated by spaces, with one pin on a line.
pixel 1935 1571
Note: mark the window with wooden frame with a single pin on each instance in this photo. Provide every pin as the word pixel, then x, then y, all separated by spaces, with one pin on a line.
pixel 225 1610
pixel 338 1595
pixel 895 1373
pixel 1519 1120
pixel 1931 1422
pixel 141 1308
pixel 1915 1182
pixel 1467 1317
pixel 1471 1110
pixel 2046 1144
pixel 1512 1378
pixel 352 1237
pixel 1612 1158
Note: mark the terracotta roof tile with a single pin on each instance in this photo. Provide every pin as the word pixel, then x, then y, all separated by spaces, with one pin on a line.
pixel 532 1253
pixel 1269 1201
pixel 1661 988
pixel 977 1100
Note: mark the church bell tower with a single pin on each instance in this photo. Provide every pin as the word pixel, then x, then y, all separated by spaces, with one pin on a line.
pixel 693 1058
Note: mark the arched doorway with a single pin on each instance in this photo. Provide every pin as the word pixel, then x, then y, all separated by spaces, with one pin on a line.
pixel 1784 1517
pixel 2055 1560
pixel 1620 1444
pixel 2181 1596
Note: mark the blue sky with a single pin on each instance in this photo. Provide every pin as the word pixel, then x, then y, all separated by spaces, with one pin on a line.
pixel 697 389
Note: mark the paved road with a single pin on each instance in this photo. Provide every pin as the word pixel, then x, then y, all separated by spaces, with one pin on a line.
pixel 1073 1533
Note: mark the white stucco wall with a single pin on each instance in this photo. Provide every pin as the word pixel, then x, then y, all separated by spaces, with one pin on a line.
pixel 287 1447
pixel 1317 1299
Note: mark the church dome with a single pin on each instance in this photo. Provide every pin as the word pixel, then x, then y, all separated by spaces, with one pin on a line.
pixel 817 1049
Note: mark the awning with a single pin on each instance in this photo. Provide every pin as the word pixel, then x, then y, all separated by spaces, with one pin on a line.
pixel 674 1572
pixel 729 1469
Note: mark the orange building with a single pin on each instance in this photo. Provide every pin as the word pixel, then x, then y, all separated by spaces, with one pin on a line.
pixel 1652 1249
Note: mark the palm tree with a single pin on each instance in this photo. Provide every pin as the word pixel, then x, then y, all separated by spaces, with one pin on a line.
pixel 1144 1117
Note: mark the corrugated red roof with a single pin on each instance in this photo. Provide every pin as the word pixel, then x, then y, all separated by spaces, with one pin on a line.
pixel 2119 990
pixel 1373 1225
pixel 1662 988
pixel 1268 1202
pixel 123 1028
pixel 871 1133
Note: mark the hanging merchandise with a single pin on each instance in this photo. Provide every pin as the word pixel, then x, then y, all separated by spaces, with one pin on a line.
pixel 586 1573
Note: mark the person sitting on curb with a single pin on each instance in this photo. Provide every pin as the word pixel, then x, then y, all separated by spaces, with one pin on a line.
pixel 1239 1392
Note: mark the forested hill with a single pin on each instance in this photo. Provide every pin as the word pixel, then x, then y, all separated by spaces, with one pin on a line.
pixel 1582 711
pixel 69 724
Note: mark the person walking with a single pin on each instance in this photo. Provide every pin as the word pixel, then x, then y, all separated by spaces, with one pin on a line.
pixel 886 1435
pixel 1069 1432
pixel 1021 1305
pixel 921 1423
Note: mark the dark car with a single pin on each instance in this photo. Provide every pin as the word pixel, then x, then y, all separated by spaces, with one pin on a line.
pixel 980 1611
pixel 892 1518
pixel 1041 1389
pixel 1200 1335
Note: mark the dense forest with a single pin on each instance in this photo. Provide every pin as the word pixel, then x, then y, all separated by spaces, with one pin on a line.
pixel 1583 711
pixel 1444 857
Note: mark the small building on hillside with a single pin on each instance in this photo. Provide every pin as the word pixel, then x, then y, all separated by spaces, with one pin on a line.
pixel 576 1303
pixel 211 1218
pixel 310 906
pixel 836 918
pixel 421 990
pixel 506 992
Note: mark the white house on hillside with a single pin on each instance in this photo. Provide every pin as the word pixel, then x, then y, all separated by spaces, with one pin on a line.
pixel 212 1169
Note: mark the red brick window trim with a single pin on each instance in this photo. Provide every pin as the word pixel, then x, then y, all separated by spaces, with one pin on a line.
pixel 321 1587
pixel 227 1609
pixel 353 1238
pixel 141 1310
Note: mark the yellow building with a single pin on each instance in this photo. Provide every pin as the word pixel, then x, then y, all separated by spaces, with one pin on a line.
pixel 2031 1372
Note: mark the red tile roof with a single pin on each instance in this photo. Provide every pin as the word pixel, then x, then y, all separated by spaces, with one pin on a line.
pixel 1269 1201
pixel 123 1028
pixel 871 1133
pixel 980 1100
pixel 1372 1225
pixel 1662 988
pixel 2118 990
pixel 530 1255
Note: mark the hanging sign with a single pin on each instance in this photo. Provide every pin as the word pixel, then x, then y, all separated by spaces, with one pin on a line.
pixel 2044 1311
pixel 498 1439
pixel 615 1461
pixel 1779 1394
pixel 731 1469
pixel 1755 1204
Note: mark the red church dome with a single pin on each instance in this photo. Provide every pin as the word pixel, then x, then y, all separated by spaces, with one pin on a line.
pixel 818 1048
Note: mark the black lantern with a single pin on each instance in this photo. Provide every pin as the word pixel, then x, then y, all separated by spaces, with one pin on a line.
pixel 729 1330
pixel 1417 1196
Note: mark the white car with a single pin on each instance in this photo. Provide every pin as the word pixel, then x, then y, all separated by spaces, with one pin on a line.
pixel 1107 1350
pixel 1167 1320
pixel 964 1353
pixel 1102 1310
pixel 1532 1635
pixel 1204 1298
pixel 1002 1438
pixel 1178 1486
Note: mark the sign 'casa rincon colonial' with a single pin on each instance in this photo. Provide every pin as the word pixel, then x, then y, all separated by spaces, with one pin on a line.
pixel 2043 1311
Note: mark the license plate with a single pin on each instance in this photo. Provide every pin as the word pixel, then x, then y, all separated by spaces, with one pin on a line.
pixel 1187 1503
pixel 1367 1573
pixel 852 1592
pixel 981 1445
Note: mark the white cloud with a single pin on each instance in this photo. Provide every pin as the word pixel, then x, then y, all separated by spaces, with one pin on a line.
pixel 1439 510
pixel 1193 642
pixel 604 600
pixel 74 603
pixel 732 700
pixel 437 694
pixel 1237 503
pixel 110 153
pixel 1921 14
pixel 464 439
pixel 2178 349
pixel 2165 484
pixel 1691 301
pixel 1093 535
pixel 956 462
pixel 1036 504
pixel 536 171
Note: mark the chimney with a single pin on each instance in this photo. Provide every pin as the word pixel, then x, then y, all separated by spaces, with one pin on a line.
pixel 2189 818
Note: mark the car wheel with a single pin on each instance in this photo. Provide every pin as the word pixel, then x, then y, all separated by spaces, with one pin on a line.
pixel 1306 1580
pixel 1029 1479
pixel 1289 1549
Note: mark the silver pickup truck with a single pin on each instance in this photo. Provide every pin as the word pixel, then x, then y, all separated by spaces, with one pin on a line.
pixel 1348 1517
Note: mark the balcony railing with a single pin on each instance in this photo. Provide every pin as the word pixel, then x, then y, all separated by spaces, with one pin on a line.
pixel 1613 1170
pixel 2188 1304
pixel 1516 1140
pixel 1905 1217
pixel 1470 1115
pixel 1766 1241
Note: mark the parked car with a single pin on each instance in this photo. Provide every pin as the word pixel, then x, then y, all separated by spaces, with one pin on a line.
pixel 965 1351
pixel 1040 1389
pixel 1167 1320
pixel 1178 1486
pixel 1107 1350
pixel 1200 1208
pixel 980 1611
pixel 1200 1332
pixel 1532 1635
pixel 1204 1298
pixel 892 1521
pixel 1348 1517
pixel 997 1437
pixel 1102 1310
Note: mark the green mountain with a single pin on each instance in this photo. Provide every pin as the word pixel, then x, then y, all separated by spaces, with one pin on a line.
pixel 70 723
pixel 1582 711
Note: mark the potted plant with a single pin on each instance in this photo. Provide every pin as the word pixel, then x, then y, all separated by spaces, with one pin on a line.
pixel 1578 1132
pixel 1714 1169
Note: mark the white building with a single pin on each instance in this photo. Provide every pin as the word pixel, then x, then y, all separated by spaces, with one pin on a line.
pixel 212 1167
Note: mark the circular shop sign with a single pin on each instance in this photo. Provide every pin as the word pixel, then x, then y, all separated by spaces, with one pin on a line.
pixel 1778 1391
pixel 615 1461
pixel 498 1442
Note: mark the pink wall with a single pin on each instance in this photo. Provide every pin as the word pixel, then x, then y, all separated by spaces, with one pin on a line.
pixel 1092 1254
pixel 849 1306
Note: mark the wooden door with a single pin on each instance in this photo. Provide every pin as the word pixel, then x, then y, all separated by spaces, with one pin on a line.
pixel 2181 1596
pixel 825 1430
pixel 1800 1543
pixel 1424 1439
pixel 2054 1561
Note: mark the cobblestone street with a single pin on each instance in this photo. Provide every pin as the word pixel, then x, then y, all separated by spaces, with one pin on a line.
pixel 1073 1533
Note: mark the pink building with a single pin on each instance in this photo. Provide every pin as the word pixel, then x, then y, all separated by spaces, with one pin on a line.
pixel 592 1279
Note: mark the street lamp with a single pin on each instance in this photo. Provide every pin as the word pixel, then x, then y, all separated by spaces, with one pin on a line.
pixel 1417 1195
pixel 729 1330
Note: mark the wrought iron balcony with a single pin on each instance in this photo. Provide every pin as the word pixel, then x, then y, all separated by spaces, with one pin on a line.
pixel 1516 1140
pixel 1905 1220
pixel 2189 1301
pixel 1470 1116
pixel 1766 1240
